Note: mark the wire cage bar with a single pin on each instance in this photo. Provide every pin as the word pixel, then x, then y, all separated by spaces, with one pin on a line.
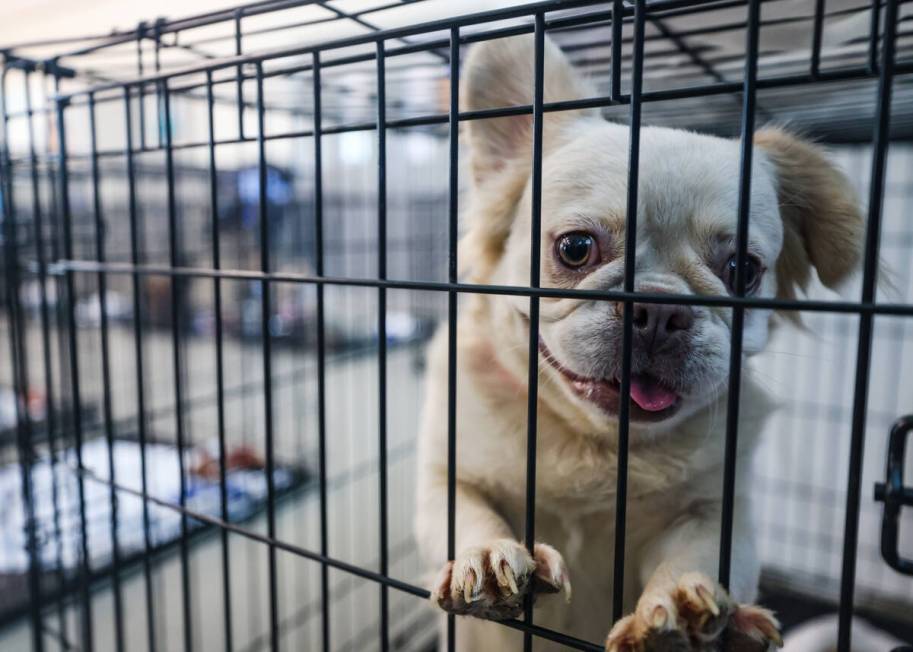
pixel 95 228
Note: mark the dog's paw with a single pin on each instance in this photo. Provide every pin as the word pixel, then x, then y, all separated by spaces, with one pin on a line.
pixel 491 581
pixel 752 629
pixel 696 615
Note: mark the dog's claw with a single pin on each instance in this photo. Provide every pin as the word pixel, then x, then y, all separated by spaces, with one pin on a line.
pixel 660 617
pixel 504 575
pixel 468 586
pixel 693 614
pixel 757 623
pixel 492 581
pixel 707 596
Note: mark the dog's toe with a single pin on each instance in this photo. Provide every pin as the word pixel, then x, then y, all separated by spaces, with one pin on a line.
pixel 694 615
pixel 491 581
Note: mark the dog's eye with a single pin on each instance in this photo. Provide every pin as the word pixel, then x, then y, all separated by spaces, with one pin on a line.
pixel 754 270
pixel 576 249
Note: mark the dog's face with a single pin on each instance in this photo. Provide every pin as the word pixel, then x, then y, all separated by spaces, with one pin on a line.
pixel 801 215
pixel 686 235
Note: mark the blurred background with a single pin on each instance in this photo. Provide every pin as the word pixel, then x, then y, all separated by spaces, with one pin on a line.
pixel 150 369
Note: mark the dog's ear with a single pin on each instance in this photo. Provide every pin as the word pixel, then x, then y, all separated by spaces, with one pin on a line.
pixel 500 73
pixel 822 222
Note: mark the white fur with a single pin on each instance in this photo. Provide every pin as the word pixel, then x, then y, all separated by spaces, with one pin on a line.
pixel 687 204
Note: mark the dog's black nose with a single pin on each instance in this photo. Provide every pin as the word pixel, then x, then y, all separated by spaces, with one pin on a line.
pixel 656 323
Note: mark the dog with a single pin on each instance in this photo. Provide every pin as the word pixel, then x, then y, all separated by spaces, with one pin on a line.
pixel 804 221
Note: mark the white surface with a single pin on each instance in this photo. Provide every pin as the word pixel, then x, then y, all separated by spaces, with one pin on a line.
pixel 245 490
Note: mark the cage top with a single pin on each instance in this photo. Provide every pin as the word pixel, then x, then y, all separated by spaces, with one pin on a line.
pixel 818 63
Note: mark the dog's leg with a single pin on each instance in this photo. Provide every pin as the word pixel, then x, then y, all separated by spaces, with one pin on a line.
pixel 682 609
pixel 492 571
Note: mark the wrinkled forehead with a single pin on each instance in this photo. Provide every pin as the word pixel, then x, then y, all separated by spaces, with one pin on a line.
pixel 687 183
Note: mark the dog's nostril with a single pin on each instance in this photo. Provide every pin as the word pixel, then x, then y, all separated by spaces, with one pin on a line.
pixel 680 319
pixel 658 322
pixel 641 316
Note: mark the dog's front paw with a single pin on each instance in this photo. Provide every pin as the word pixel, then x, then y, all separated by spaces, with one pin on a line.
pixel 491 581
pixel 696 615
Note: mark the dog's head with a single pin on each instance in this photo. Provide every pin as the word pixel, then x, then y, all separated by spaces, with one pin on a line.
pixel 802 216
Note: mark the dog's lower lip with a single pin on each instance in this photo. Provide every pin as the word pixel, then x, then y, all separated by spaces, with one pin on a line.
pixel 605 392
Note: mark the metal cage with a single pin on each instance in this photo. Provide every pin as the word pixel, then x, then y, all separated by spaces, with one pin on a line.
pixel 219 253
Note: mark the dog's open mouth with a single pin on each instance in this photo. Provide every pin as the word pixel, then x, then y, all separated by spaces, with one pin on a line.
pixel 651 399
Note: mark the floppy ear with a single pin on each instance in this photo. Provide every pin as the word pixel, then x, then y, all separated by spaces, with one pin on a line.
pixel 822 222
pixel 498 74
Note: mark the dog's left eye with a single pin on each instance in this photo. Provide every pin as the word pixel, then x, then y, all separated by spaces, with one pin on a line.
pixel 576 249
pixel 754 270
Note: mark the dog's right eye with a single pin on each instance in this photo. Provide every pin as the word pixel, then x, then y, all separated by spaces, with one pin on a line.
pixel 576 249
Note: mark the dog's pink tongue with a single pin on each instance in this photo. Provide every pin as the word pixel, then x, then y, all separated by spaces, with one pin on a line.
pixel 650 395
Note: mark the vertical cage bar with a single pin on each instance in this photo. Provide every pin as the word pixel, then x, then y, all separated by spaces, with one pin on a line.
pixel 532 405
pixel 630 262
pixel 159 99
pixel 382 336
pixel 136 283
pixel 220 360
pixel 18 357
pixel 239 72
pixel 51 422
pixel 874 27
pixel 106 376
pixel 617 24
pixel 140 88
pixel 738 312
pixel 452 267
pixel 75 394
pixel 866 323
pixel 817 34
pixel 265 302
pixel 65 416
pixel 177 357
pixel 321 359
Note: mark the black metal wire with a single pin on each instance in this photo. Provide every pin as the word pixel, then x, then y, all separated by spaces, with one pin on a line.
pixel 321 354
pixel 866 323
pixel 60 322
pixel 588 19
pixel 51 421
pixel 630 266
pixel 75 393
pixel 382 340
pixel 165 135
pixel 331 562
pixel 106 379
pixel 718 301
pixel 68 270
pixel 220 364
pixel 817 35
pixel 617 26
pixel 452 305
pixel 874 28
pixel 140 33
pixel 535 251
pixel 730 455
pixel 136 287
pixel 267 338
pixel 18 353
pixel 372 37
pixel 665 95
pixel 239 88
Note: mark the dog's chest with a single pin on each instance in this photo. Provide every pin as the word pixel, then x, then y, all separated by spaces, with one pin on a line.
pixel 575 476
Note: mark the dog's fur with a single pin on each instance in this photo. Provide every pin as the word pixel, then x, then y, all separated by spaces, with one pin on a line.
pixel 802 216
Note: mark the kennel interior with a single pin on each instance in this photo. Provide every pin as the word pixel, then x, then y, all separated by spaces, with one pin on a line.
pixel 230 235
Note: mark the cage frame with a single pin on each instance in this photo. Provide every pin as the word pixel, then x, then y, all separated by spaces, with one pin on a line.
pixel 64 269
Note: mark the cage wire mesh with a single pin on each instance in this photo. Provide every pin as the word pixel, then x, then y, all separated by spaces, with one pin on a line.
pixel 119 371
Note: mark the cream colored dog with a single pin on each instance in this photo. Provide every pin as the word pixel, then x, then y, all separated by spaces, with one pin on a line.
pixel 802 216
